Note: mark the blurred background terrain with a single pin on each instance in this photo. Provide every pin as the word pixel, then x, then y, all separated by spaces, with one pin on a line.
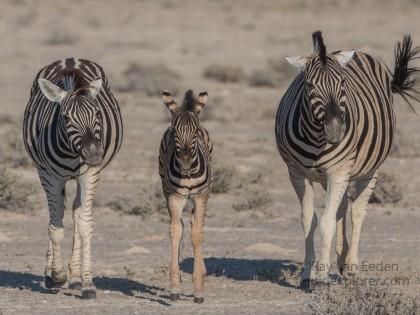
pixel 253 240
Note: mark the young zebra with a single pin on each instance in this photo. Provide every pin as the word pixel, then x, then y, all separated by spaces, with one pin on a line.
pixel 72 129
pixel 184 167
pixel 335 125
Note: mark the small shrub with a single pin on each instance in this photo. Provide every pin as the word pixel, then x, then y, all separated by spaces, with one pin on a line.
pixel 58 37
pixel 150 200
pixel 387 190
pixel 13 195
pixel 15 154
pixel 222 179
pixel 255 200
pixel 223 73
pixel 273 74
pixel 151 79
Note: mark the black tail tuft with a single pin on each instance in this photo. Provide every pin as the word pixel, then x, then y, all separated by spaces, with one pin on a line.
pixel 404 78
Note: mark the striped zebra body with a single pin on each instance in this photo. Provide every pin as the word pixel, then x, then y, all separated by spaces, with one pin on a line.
pixel 72 129
pixel 335 125
pixel 45 141
pixel 176 181
pixel 369 133
pixel 185 171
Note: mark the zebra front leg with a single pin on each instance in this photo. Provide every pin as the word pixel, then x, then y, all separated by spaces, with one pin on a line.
pixel 75 282
pixel 363 191
pixel 304 190
pixel 336 187
pixel 88 183
pixel 197 225
pixel 176 204
pixel 342 246
pixel 55 274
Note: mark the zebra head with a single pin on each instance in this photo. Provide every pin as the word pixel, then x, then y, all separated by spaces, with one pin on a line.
pixel 185 126
pixel 80 118
pixel 324 88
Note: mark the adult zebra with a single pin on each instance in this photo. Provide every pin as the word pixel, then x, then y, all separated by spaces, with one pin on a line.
pixel 185 170
pixel 335 126
pixel 72 129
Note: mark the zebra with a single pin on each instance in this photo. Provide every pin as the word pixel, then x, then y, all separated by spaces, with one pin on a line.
pixel 72 129
pixel 185 170
pixel 335 125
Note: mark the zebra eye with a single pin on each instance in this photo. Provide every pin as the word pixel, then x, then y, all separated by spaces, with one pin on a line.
pixel 98 115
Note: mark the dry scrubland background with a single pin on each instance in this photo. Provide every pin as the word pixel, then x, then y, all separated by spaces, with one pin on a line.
pixel 253 241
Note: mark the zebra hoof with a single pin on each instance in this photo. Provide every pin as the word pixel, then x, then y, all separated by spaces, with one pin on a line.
pixel 59 278
pixel 88 294
pixel 75 285
pixel 307 285
pixel 174 296
pixel 198 300
pixel 49 282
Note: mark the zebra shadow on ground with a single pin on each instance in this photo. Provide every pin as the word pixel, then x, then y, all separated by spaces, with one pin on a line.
pixel 283 272
pixel 35 283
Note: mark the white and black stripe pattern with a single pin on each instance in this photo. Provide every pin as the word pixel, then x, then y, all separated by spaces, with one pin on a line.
pixel 185 170
pixel 72 129
pixel 335 125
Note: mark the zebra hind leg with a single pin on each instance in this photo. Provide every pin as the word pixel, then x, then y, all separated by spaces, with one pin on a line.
pixel 342 245
pixel 363 191
pixel 176 204
pixel 197 226
pixel 75 282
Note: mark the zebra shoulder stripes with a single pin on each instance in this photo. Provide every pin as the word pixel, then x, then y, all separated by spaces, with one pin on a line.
pixel 72 129
pixel 185 170
pixel 335 125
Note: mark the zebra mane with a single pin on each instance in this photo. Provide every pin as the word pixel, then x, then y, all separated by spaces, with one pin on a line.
pixel 189 101
pixel 319 46
pixel 73 79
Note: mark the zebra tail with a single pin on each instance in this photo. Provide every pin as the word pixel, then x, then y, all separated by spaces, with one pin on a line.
pixel 404 76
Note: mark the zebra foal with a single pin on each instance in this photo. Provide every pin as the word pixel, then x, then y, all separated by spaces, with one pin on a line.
pixel 185 171
pixel 335 125
pixel 72 129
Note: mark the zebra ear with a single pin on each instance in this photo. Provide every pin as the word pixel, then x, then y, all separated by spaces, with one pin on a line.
pixel 297 61
pixel 95 86
pixel 168 100
pixel 51 91
pixel 343 57
pixel 201 102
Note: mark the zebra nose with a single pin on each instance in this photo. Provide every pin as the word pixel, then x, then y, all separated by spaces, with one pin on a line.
pixel 92 153
pixel 185 158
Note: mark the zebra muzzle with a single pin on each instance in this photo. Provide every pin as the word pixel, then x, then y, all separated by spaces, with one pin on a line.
pixel 92 153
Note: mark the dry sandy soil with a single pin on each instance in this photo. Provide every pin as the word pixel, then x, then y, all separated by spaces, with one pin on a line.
pixel 251 255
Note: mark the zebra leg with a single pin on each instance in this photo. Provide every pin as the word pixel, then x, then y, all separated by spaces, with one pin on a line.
pixel 336 188
pixel 363 191
pixel 197 225
pixel 342 246
pixel 55 274
pixel 176 204
pixel 305 192
pixel 75 281
pixel 88 183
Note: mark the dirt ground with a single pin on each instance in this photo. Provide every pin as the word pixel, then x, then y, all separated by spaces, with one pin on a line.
pixel 253 247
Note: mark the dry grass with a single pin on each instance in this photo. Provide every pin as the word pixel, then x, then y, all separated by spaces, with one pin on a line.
pixel 387 190
pixel 151 79
pixel 15 154
pixel 13 195
pixel 254 200
pixel 224 73
pixel 405 146
pixel 364 300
